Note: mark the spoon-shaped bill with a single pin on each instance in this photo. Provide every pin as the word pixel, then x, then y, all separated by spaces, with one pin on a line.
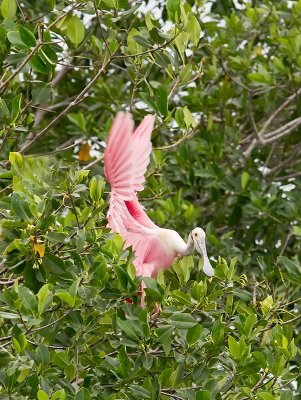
pixel 207 267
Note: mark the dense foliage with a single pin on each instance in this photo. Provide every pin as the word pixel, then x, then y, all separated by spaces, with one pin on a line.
pixel 224 79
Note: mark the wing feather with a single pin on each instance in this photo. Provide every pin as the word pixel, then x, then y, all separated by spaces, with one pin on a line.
pixel 126 159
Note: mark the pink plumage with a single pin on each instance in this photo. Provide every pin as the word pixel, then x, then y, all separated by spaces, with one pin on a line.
pixel 126 159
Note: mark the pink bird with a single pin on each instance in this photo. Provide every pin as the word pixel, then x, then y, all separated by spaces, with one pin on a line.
pixel 126 158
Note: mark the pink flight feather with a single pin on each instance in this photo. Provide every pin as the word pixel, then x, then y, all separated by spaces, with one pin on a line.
pixel 126 159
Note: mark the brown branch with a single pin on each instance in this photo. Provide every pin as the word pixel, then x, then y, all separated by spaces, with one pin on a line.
pixel 100 27
pixel 278 110
pixel 79 98
pixel 58 150
pixel 56 80
pixel 11 282
pixel 92 163
pixel 264 138
pixel 76 5
pixel 149 51
pixel 282 131
pixel 181 140
pixel 289 176
pixel 21 66
pixel 260 382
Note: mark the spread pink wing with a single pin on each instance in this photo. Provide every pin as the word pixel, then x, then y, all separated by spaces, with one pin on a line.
pixel 126 159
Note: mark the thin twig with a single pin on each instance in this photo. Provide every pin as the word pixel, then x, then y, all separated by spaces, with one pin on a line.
pixel 100 27
pixel 60 17
pixel 265 138
pixel 170 394
pixel 259 383
pixel 30 330
pixel 289 176
pixel 59 150
pixel 92 163
pixel 21 66
pixel 59 76
pixel 149 51
pixel 181 140
pixel 282 131
pixel 80 97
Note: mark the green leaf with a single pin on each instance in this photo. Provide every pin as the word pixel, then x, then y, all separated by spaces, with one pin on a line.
pixel 244 180
pixel 173 9
pixel 16 108
pixel 297 230
pixel 181 42
pixel 194 30
pixel 78 119
pixel 234 347
pixel 41 94
pixel 48 54
pixel 42 395
pixel 27 36
pixel 54 263
pixel 15 39
pixel 9 9
pixel 38 65
pixel 182 321
pixel 193 334
pixel 16 345
pixel 140 392
pixel 66 297
pixel 43 356
pixel 261 77
pixel 83 394
pixel 16 162
pixel 96 186
pixel 293 270
pixel 148 101
pixel 21 207
pixel 188 118
pixel 5 358
pixel 28 300
pixel 162 101
pixel 8 315
pixel 22 341
pixel 75 30
pixel 128 328
pixel 164 335
pixel 59 395
pixel 185 74
pixel 203 395
pixel 265 396
pixel 44 298
pixel 142 41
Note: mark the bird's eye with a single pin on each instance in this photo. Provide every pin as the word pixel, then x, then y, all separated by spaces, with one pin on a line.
pixel 195 234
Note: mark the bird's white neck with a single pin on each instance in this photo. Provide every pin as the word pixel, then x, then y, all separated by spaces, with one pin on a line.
pixel 189 247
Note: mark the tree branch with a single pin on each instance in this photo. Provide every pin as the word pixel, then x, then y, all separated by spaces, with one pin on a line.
pixel 79 98
pixel 21 66
pixel 264 138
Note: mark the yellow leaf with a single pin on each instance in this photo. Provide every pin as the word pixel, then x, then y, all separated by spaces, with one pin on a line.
pixel 258 51
pixel 84 152
pixel 39 248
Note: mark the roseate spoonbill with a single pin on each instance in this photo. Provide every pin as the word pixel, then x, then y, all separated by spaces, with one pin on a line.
pixel 126 158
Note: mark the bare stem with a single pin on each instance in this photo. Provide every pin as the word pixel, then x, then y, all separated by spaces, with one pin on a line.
pixel 4 85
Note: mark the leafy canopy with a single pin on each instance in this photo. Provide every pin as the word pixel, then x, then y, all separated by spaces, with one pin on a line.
pixel 223 78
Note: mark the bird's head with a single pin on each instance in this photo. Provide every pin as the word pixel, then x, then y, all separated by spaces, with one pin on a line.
pixel 198 236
